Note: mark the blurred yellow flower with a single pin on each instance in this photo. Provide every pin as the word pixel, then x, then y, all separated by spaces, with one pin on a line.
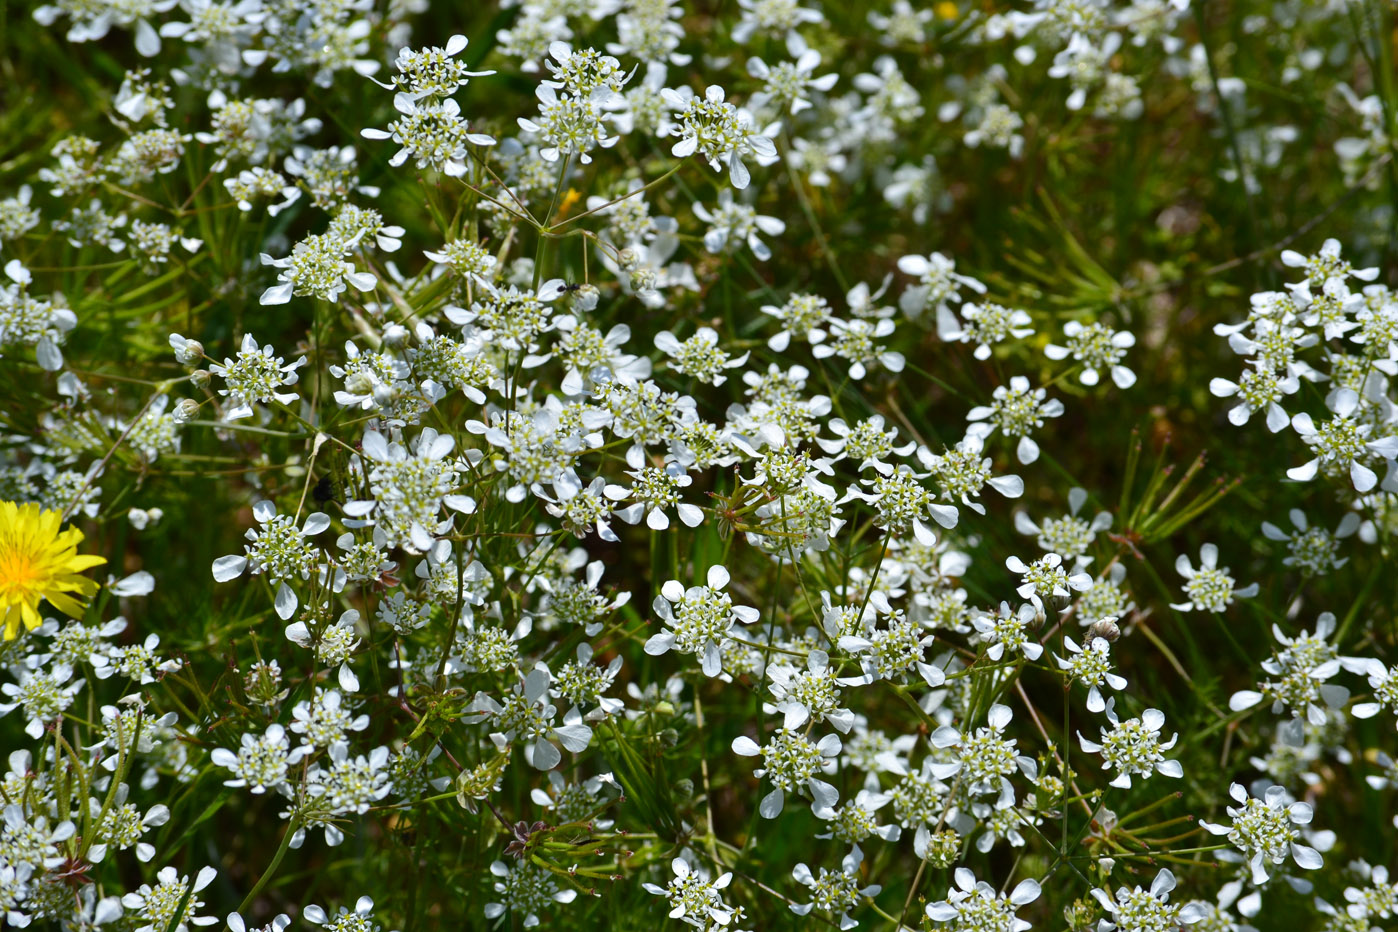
pixel 39 560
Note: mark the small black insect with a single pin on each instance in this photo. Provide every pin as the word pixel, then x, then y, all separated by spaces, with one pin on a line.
pixel 331 486
pixel 326 490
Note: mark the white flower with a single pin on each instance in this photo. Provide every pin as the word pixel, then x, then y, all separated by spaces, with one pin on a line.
pixel 771 18
pixel 262 762
pixel 334 644
pixel 526 715
pixel 1326 264
pixel 734 224
pixel 854 820
pixel 433 133
pixel 279 549
pixel 1096 347
pixel 1137 910
pixel 324 720
pixel 123 824
pixel 236 923
pixel 1379 897
pixel 1017 411
pixel 431 72
pixel 38 838
pixel 1383 680
pixel 587 72
pixel 902 502
pixel 1046 578
pixel 810 695
pixel 1260 389
pixel 1208 588
pixel 410 488
pixel 939 285
pixel 835 892
pixel 1341 443
pixel 27 320
pixel 984 758
pixel 580 508
pixel 904 25
pixel 317 269
pixel 974 904
pixel 1297 680
pixel 893 651
pixel 254 377
pixel 718 131
pixel 1068 535
pixel 343 920
pixel 786 84
pixel 1313 549
pixel 42 693
pixel 1091 665
pixel 698 620
pixel 792 761
pixel 571 124
pixel 700 357
pixel 654 492
pixel 987 325
pixel 962 471
pixel 1009 630
pixel 1262 830
pixel 525 889
pixel 858 342
pixel 866 441
pixel 1134 747
pixel 694 899
pixel 170 906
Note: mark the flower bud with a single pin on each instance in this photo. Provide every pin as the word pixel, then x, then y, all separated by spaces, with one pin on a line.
pixel 943 848
pixel 643 279
pixel 186 411
pixel 1106 629
pixel 190 352
pixel 360 383
pixel 585 297
pixel 199 378
pixel 628 259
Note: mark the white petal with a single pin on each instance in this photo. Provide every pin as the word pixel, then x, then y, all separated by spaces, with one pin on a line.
pixel 229 567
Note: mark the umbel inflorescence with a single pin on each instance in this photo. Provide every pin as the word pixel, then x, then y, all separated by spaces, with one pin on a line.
pixel 640 460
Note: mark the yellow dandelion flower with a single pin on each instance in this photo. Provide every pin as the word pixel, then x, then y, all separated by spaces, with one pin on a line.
pixel 40 560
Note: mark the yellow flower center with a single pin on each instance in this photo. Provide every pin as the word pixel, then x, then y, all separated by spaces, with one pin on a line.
pixel 39 561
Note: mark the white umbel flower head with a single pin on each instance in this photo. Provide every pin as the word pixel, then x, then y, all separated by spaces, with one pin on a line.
pixel 254 377
pixel 1017 411
pixel 1262 830
pixel 1134 747
pixel 974 904
pixel 1313 550
pixel 698 620
pixel 1137 910
pixel 793 762
pixel 1208 588
pixel 1341 444
pixel 694 898
pixel 1091 665
pixel 835 892
pixel 1096 347
pixel 718 131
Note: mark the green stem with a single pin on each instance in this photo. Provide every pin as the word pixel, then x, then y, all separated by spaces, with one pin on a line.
pixel 271 868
